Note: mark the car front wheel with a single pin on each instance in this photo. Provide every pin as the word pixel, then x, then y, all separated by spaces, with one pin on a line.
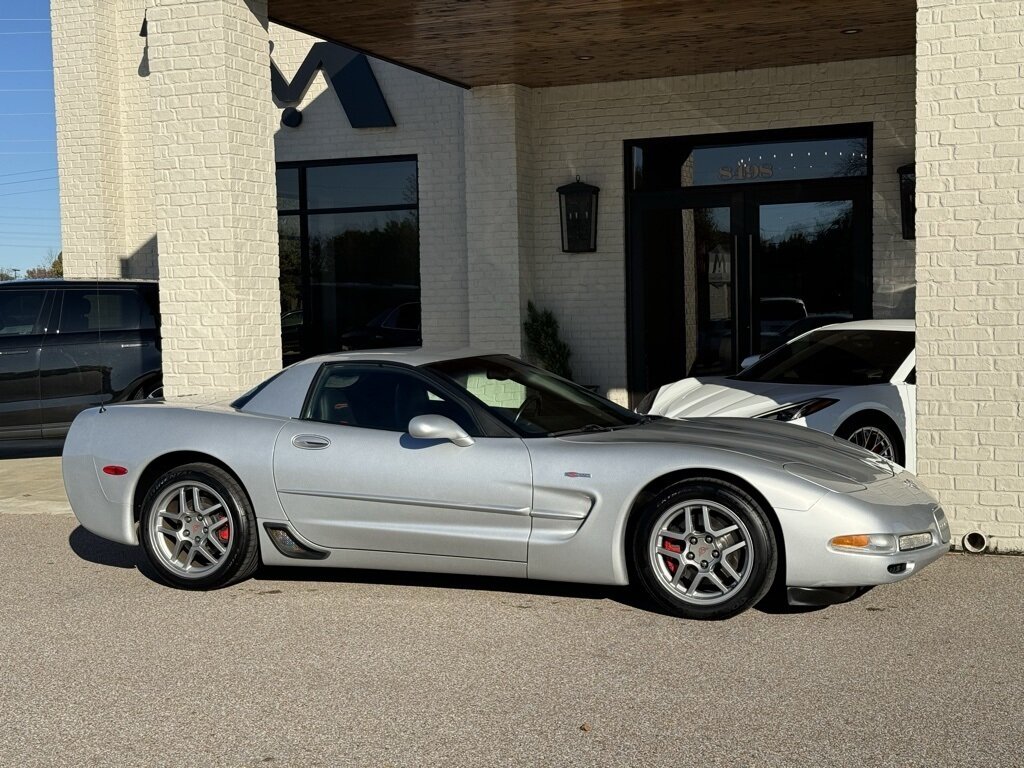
pixel 704 549
pixel 875 433
pixel 198 528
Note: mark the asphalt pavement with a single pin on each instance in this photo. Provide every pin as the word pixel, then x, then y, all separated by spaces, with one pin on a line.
pixel 101 665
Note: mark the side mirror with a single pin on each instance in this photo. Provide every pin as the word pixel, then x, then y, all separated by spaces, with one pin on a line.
pixel 749 361
pixel 435 427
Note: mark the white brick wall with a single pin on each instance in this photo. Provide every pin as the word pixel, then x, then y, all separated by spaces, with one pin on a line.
pixel 970 262
pixel 90 130
pixel 215 201
pixel 499 210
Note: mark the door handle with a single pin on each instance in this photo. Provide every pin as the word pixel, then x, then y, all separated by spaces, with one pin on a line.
pixel 311 442
pixel 15 352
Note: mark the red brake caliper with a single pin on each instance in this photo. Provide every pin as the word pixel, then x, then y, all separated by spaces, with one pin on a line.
pixel 223 534
pixel 670 563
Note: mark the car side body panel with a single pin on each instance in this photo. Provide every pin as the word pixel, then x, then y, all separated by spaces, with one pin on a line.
pixel 133 435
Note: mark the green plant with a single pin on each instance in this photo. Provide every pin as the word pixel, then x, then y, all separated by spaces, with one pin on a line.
pixel 544 343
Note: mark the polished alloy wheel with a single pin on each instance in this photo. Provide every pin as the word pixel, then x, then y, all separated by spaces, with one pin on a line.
pixel 700 551
pixel 874 440
pixel 190 529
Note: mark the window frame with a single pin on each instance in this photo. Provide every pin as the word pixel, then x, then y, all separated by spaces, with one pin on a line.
pixel 303 212
pixel 486 424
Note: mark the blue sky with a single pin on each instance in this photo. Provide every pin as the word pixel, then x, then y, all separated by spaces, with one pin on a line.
pixel 29 205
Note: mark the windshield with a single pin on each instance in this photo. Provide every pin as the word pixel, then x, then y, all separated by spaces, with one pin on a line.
pixel 535 402
pixel 835 358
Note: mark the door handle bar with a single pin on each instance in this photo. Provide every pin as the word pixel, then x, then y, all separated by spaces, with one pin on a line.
pixel 310 442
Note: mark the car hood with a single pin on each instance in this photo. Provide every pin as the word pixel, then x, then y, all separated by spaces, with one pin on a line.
pixel 720 396
pixel 771 441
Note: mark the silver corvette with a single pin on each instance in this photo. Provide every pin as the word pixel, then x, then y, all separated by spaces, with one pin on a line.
pixel 481 464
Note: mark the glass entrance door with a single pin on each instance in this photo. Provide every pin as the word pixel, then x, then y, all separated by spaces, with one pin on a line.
pixel 737 243
pixel 804 269
pixel 689 265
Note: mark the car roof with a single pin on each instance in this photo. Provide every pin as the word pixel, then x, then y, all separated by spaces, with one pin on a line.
pixel 59 282
pixel 408 355
pixel 906 326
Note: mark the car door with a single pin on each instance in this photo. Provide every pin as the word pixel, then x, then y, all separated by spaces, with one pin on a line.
pixel 105 341
pixel 22 327
pixel 350 476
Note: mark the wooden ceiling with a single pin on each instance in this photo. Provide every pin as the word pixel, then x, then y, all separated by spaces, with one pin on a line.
pixel 538 42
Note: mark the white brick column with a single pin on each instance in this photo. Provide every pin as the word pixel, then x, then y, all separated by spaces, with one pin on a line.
pixel 498 183
pixel 215 195
pixel 970 263
pixel 86 85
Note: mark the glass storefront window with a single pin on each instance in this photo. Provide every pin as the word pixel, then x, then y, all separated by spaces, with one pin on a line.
pixel 350 261
pixel 287 189
pixel 660 165
pixel 362 185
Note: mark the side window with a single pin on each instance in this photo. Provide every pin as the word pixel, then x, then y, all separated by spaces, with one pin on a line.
pixel 912 376
pixel 114 309
pixel 379 398
pixel 19 312
pixel 404 318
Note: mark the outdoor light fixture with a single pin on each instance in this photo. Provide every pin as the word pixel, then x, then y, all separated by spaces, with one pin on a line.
pixel 908 207
pixel 578 213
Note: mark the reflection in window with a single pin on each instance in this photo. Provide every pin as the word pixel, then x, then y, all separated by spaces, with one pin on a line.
pixel 660 164
pixel 350 257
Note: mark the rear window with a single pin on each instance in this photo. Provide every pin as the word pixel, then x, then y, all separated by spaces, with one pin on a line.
pixel 105 309
pixel 834 358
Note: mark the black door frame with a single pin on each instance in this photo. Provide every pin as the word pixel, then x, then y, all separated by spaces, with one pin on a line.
pixel 744 201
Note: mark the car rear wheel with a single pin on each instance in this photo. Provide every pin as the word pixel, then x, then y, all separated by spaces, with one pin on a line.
pixel 147 390
pixel 876 434
pixel 198 528
pixel 704 549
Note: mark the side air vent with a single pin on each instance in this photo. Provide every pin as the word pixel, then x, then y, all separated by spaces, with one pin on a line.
pixel 289 546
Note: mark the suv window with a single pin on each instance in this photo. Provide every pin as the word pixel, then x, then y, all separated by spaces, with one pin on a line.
pixel 19 312
pixel 103 309
pixel 379 398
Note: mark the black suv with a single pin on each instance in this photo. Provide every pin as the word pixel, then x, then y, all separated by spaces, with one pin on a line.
pixel 67 345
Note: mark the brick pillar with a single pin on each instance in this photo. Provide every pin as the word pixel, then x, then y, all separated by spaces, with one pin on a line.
pixel 498 179
pixel 215 195
pixel 86 80
pixel 970 263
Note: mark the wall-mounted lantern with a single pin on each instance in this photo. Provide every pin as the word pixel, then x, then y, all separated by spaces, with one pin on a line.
pixel 908 207
pixel 578 210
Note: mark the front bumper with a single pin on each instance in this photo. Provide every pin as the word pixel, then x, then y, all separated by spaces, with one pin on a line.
pixel 896 506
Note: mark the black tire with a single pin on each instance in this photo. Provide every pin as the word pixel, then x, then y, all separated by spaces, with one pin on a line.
pixel 145 390
pixel 875 421
pixel 242 556
pixel 762 547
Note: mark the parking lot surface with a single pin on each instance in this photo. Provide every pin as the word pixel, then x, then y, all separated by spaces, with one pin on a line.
pixel 100 665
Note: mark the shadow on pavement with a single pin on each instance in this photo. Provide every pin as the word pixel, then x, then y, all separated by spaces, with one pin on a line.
pixel 622 595
pixel 95 549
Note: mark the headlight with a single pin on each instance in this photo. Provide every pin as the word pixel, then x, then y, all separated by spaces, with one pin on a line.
pixel 645 405
pixel 799 410
pixel 876 543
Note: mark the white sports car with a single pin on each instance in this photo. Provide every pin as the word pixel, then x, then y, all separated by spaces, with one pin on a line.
pixel 853 380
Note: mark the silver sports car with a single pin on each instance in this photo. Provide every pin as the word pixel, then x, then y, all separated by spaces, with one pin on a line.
pixel 482 464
